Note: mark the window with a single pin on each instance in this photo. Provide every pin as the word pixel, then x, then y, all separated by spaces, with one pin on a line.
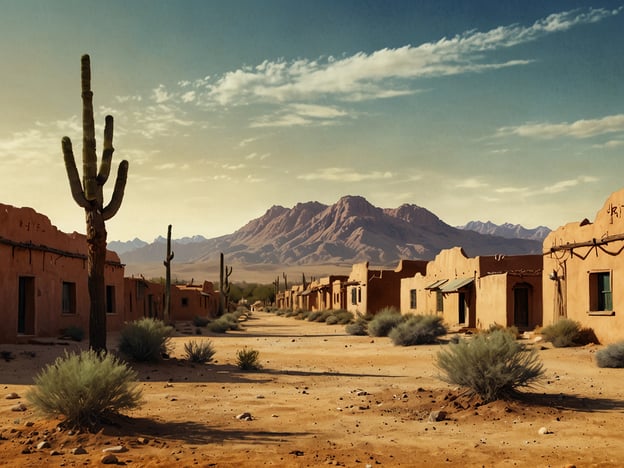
pixel 439 301
pixel 110 299
pixel 353 296
pixel 600 292
pixel 69 298
pixel 185 302
pixel 412 298
pixel 359 294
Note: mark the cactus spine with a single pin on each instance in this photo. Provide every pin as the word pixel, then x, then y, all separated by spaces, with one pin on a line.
pixel 167 263
pixel 89 195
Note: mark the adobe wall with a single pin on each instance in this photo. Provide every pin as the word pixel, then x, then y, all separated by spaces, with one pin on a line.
pixel 571 265
pixel 35 254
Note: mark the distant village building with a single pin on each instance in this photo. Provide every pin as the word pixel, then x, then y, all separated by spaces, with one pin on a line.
pixel 369 290
pixel 584 265
pixel 477 292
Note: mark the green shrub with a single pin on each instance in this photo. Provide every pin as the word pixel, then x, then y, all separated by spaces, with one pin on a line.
pixel 611 356
pixel 248 359
pixel 419 329
pixel 513 330
pixel 200 352
pixel 219 325
pixel 566 333
pixel 73 332
pixel 232 319
pixel 384 321
pixel 490 365
pixel 146 339
pixel 331 320
pixel 86 388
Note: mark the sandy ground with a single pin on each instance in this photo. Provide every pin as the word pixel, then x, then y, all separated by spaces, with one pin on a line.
pixel 325 398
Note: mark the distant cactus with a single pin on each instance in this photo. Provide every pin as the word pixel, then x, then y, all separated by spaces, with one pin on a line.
pixel 167 263
pixel 224 284
pixel 89 195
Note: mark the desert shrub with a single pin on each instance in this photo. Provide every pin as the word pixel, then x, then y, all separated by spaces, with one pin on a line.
pixel 331 320
pixel 319 316
pixel 343 316
pixel 199 351
pixel 419 329
pixel 565 333
pixel 248 359
pixel 86 388
pixel 73 332
pixel 359 327
pixel 200 321
pixel 146 339
pixel 384 321
pixel 491 365
pixel 611 356
pixel 220 325
pixel 232 318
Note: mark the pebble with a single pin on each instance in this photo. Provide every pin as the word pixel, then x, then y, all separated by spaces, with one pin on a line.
pixel 109 459
pixel 80 450
pixel 12 396
pixel 543 431
pixel 42 445
pixel 20 407
pixel 245 417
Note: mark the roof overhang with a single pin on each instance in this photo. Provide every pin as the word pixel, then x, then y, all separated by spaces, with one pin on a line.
pixel 436 284
pixel 456 284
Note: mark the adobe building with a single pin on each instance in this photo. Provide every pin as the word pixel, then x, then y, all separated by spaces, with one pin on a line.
pixel 144 298
pixel 321 295
pixel 43 278
pixel 477 292
pixel 583 263
pixel 370 290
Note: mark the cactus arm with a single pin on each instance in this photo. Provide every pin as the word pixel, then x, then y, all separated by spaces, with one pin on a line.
pixel 107 153
pixel 118 192
pixel 72 174
pixel 89 158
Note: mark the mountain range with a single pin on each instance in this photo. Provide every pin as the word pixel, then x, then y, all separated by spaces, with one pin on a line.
pixel 350 231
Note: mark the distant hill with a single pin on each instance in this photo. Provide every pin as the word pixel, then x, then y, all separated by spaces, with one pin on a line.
pixel 509 231
pixel 349 231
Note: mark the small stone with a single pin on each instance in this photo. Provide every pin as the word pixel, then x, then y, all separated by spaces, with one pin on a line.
pixel 80 450
pixel 115 449
pixel 20 407
pixel 42 445
pixel 29 424
pixel 55 453
pixel 260 397
pixel 435 416
pixel 26 451
pixel 142 440
pixel 244 417
pixel 109 459
pixel 12 396
pixel 543 431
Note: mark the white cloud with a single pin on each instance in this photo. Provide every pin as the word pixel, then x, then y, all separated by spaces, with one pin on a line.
pixel 344 174
pixel 233 167
pixel 579 129
pixel 472 184
pixel 160 94
pixel 564 185
pixel 384 73
pixel 611 144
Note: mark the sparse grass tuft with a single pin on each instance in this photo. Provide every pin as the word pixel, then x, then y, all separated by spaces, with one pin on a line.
pixel 248 359
pixel 567 333
pixel 199 351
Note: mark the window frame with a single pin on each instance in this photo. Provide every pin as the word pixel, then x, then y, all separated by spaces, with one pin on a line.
pixel 600 299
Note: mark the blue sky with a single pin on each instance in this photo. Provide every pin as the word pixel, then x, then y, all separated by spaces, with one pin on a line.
pixel 476 110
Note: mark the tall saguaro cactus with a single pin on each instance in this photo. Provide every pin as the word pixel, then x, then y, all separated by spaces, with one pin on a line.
pixel 224 284
pixel 89 195
pixel 167 263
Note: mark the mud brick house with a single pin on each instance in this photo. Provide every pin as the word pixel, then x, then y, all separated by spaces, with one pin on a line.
pixel 43 278
pixel 370 290
pixel 144 298
pixel 584 270
pixel 320 295
pixel 477 292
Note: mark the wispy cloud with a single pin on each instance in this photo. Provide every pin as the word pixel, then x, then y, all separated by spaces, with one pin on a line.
pixel 472 183
pixel 300 114
pixel 564 185
pixel 386 72
pixel 611 144
pixel 344 174
pixel 579 129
